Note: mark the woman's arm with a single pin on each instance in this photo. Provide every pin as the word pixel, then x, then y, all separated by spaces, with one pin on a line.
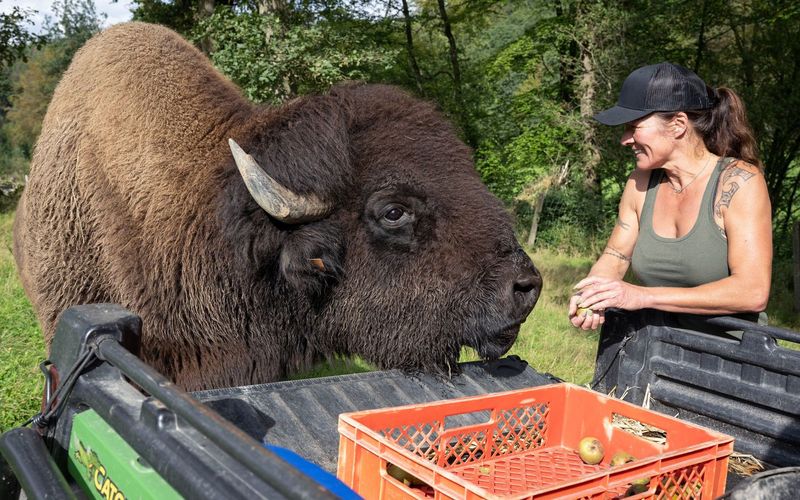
pixel 616 257
pixel 743 204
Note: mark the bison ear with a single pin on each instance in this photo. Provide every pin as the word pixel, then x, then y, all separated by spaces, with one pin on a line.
pixel 312 258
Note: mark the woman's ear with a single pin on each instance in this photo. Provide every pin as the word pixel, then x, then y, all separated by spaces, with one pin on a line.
pixel 679 124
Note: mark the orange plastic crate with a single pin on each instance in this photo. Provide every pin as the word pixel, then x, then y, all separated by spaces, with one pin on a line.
pixel 522 444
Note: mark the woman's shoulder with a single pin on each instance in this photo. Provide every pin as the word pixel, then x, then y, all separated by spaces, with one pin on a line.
pixel 733 168
pixel 738 175
pixel 635 190
pixel 640 179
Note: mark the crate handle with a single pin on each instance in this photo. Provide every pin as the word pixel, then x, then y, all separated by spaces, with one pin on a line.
pixel 639 428
pixel 636 489
pixel 403 478
pixel 648 493
pixel 482 417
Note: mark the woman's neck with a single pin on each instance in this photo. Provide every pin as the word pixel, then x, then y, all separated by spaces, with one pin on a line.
pixel 688 169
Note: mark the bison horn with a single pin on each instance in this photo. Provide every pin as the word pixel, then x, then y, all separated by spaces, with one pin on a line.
pixel 277 200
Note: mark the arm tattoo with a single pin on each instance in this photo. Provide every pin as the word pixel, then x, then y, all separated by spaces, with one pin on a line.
pixel 728 179
pixel 725 199
pixel 737 172
pixel 610 251
pixel 623 225
pixel 726 196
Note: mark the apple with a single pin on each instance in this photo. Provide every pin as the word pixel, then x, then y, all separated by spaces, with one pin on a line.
pixel 638 486
pixel 591 450
pixel 404 477
pixel 620 458
pixel 584 312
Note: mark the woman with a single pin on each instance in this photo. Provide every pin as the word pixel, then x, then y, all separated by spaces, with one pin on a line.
pixel 695 218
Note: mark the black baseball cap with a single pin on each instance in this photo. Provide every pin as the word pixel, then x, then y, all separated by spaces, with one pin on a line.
pixel 658 87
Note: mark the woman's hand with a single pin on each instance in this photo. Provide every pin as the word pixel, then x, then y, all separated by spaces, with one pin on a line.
pixel 599 293
pixel 584 318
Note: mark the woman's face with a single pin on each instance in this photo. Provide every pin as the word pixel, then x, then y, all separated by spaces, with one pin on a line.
pixel 649 139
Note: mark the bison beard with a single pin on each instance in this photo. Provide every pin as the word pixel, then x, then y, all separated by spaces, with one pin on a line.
pixel 380 240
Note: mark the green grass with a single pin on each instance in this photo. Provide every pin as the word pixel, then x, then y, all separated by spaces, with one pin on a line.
pixel 547 340
pixel 781 298
pixel 21 344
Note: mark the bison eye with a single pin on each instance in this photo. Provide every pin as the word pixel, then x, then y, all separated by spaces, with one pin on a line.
pixel 395 216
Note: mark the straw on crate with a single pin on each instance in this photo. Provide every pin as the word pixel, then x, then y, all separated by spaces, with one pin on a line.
pixel 744 465
pixel 738 463
pixel 637 428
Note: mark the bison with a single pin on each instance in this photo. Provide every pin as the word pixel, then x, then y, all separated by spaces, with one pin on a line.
pixel 252 240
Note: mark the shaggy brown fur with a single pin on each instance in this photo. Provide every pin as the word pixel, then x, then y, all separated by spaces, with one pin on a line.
pixel 134 198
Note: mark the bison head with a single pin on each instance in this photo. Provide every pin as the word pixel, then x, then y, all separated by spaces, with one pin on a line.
pixel 354 223
pixel 386 243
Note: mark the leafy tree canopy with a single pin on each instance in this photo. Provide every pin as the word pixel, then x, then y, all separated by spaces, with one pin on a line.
pixel 32 83
pixel 273 60
pixel 15 36
pixel 520 78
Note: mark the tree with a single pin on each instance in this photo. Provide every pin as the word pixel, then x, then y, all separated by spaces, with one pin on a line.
pixel 751 47
pixel 412 60
pixel 15 40
pixel 14 36
pixel 180 15
pixel 274 59
pixel 33 83
pixel 75 21
pixel 768 77
pixel 545 69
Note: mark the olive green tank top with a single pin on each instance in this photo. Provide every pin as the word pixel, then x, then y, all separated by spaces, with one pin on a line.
pixel 698 257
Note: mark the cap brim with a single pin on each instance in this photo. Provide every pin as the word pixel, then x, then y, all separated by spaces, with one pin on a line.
pixel 619 115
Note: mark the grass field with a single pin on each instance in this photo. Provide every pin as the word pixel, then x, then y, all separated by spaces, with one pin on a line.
pixel 547 341
pixel 21 345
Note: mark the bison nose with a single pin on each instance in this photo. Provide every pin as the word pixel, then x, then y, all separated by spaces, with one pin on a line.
pixel 526 287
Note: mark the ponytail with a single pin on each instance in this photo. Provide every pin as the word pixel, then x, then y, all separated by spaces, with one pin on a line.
pixel 724 127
